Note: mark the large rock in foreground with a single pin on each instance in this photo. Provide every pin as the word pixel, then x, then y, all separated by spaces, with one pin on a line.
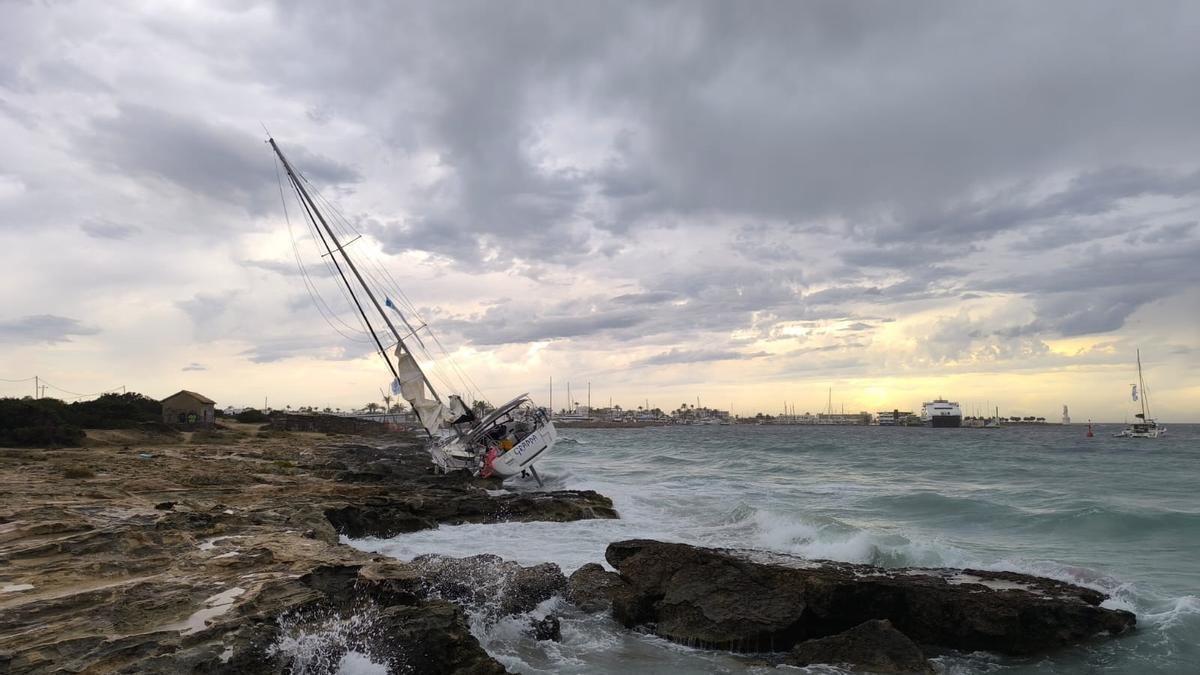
pixel 874 646
pixel 756 601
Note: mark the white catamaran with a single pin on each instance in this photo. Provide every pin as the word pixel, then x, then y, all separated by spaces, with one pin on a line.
pixel 505 442
pixel 1145 427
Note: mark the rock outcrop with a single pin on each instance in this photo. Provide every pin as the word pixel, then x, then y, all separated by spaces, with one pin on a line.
pixel 591 587
pixel 874 646
pixel 225 557
pixel 755 601
pixel 489 584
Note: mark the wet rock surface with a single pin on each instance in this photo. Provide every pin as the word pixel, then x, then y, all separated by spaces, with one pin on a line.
pixel 224 557
pixel 755 601
pixel 874 646
pixel 591 587
pixel 488 583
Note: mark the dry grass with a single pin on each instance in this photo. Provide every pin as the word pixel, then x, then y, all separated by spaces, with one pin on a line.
pixel 77 472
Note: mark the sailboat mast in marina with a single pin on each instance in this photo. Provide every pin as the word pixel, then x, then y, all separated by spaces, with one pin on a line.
pixel 504 443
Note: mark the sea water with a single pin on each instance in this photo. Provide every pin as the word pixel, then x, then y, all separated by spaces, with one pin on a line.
pixel 1118 515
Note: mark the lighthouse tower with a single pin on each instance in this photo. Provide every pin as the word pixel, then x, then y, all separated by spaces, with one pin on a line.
pixel 1066 416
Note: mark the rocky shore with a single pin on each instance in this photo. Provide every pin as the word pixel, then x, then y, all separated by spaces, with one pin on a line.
pixel 818 611
pixel 224 556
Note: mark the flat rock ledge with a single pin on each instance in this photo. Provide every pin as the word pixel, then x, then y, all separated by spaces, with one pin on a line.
pixel 753 601
pixel 226 557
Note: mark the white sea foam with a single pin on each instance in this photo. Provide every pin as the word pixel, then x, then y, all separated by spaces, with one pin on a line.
pixel 314 645
pixel 1180 610
pixel 357 663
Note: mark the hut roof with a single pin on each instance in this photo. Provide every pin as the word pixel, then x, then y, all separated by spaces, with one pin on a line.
pixel 184 392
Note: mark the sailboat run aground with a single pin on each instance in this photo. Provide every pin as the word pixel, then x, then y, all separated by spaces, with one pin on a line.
pixel 506 442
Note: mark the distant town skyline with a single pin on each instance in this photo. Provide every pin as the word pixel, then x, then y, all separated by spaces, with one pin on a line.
pixel 987 202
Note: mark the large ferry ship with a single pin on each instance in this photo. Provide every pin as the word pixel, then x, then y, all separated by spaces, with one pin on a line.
pixel 941 413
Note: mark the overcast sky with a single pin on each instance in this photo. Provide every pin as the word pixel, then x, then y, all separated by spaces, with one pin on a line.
pixel 747 202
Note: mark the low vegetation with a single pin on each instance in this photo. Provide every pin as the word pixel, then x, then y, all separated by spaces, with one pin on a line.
pixel 49 422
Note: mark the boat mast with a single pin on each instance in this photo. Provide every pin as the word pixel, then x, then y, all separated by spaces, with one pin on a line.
pixel 311 207
pixel 1142 387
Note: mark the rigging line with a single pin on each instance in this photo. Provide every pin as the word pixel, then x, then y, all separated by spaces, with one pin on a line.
pixel 310 208
pixel 332 270
pixel 447 366
pixel 309 286
pixel 382 353
pixel 334 209
pixel 470 383
pixel 319 300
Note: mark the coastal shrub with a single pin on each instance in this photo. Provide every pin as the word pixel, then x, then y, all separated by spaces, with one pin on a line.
pixel 40 423
pixel 115 411
pixel 251 416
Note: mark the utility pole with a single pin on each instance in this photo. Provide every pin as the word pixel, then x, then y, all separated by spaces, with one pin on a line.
pixel 552 396
pixel 589 397
pixel 37 389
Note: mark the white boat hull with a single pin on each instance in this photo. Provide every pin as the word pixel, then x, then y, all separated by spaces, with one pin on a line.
pixel 532 448
pixel 456 454
pixel 1155 432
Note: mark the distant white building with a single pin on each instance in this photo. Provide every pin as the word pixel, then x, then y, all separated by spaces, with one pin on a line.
pixel 1066 416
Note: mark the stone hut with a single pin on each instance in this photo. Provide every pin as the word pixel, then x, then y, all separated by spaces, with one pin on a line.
pixel 189 408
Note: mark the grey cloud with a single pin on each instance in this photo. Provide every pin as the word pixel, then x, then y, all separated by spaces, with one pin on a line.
pixel 194 367
pixel 210 315
pixel 273 349
pixel 224 164
pixel 106 229
pixel 1098 294
pixel 904 255
pixel 1168 234
pixel 678 356
pixel 47 328
pixel 650 298
pixel 287 268
pixel 499 325
pixel 1090 193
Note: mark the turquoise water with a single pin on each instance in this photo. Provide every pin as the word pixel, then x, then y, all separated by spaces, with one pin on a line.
pixel 1119 515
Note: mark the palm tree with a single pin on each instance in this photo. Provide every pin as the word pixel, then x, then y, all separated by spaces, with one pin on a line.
pixel 372 407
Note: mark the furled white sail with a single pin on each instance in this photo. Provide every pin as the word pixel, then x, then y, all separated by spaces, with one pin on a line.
pixel 429 410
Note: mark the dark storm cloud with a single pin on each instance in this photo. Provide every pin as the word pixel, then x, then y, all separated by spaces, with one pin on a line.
pixel 1096 294
pixel 682 307
pixel 39 328
pixel 814 158
pixel 222 163
pixel 1092 193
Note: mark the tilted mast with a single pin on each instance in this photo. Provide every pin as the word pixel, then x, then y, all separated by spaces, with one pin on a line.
pixel 412 380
